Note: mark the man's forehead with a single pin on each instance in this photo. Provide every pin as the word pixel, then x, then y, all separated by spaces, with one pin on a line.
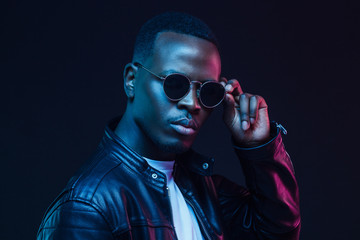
pixel 184 53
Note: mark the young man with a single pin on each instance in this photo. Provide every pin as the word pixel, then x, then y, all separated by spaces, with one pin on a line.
pixel 145 182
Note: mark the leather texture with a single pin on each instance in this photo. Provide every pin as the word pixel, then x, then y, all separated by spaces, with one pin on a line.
pixel 117 195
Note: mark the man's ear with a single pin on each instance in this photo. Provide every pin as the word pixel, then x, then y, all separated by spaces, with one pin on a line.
pixel 129 80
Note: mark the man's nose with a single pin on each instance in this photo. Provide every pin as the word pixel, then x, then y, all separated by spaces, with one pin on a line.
pixel 190 101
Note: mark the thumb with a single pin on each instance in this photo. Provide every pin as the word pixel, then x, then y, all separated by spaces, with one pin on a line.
pixel 229 112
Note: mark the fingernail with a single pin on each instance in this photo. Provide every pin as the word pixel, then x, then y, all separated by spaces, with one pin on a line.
pixel 244 125
pixel 227 97
pixel 252 120
pixel 228 88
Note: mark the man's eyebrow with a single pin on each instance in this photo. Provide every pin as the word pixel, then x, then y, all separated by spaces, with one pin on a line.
pixel 167 72
pixel 170 71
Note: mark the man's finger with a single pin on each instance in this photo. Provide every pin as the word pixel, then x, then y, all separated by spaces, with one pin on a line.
pixel 244 111
pixel 233 87
pixel 223 81
pixel 253 108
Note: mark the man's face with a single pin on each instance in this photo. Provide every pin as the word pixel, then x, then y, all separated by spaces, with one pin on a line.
pixel 172 126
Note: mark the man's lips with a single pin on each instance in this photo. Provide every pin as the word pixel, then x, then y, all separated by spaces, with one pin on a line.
pixel 185 126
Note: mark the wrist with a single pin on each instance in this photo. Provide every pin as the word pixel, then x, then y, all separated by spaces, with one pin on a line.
pixel 275 130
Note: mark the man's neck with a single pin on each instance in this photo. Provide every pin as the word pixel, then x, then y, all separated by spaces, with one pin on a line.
pixel 129 131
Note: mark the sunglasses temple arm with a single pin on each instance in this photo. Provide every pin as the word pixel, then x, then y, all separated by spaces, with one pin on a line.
pixel 154 74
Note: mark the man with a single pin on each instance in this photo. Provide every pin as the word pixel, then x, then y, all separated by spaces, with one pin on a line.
pixel 145 182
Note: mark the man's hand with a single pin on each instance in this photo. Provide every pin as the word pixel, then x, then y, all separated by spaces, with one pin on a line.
pixel 245 115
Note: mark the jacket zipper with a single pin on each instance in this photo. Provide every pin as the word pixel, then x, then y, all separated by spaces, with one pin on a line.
pixel 198 218
pixel 169 201
pixel 171 212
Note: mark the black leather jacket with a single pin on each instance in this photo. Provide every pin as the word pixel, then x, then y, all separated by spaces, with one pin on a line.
pixel 117 195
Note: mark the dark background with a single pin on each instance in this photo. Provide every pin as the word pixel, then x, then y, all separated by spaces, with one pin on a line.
pixel 61 82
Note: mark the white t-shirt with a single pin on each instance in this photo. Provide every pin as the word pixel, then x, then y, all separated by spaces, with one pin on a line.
pixel 185 222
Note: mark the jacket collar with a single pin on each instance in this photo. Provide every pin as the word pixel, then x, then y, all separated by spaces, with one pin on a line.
pixel 192 160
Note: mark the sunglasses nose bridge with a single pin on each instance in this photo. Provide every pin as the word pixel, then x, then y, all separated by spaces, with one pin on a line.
pixel 191 99
pixel 192 84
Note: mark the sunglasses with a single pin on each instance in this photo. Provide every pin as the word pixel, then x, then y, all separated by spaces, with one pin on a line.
pixel 177 86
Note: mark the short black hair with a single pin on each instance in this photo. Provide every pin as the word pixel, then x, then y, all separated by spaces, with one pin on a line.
pixel 178 22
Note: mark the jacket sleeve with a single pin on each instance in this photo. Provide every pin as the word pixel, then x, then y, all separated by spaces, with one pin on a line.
pixel 74 220
pixel 269 207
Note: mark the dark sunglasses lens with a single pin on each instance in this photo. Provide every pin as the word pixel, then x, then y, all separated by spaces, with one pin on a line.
pixel 211 94
pixel 176 86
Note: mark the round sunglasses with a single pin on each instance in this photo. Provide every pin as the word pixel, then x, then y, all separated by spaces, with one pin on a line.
pixel 176 86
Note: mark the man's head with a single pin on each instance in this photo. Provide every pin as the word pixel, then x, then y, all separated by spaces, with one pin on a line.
pixel 165 46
